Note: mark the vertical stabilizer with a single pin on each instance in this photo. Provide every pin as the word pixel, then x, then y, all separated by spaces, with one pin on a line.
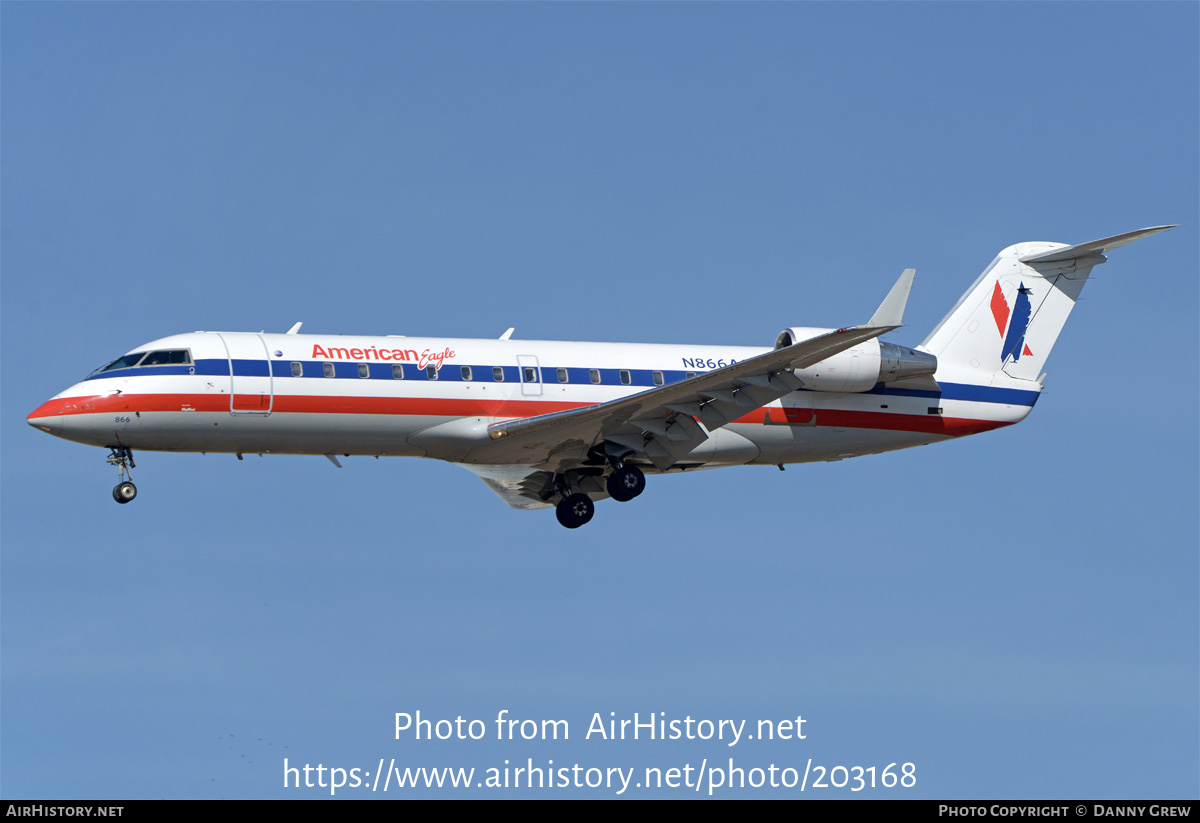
pixel 1008 321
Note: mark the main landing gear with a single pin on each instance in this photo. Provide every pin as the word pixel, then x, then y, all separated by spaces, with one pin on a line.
pixel 122 458
pixel 626 483
pixel 576 508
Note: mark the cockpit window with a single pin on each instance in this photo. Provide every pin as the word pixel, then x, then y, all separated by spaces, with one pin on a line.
pixel 175 357
pixel 128 361
pixel 167 357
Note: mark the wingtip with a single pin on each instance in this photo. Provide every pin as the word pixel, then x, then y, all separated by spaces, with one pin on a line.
pixel 891 310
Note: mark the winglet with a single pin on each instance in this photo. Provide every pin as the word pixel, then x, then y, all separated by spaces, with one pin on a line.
pixel 891 310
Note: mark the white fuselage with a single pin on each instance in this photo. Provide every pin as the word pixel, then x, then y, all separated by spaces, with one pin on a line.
pixel 352 395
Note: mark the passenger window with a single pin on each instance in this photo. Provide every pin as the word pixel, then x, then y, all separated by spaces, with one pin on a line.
pixel 498 374
pixel 690 375
pixel 562 375
pixel 625 379
pixel 364 370
pixel 297 370
pixel 397 371
pixel 658 378
pixel 328 369
pixel 530 374
pixel 594 375
pixel 466 372
pixel 431 372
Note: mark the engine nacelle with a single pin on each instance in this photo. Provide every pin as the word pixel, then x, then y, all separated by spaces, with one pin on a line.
pixel 859 368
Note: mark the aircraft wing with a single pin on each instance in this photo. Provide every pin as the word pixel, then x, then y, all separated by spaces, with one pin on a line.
pixel 522 487
pixel 661 424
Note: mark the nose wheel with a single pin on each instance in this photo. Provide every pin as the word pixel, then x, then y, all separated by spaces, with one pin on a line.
pixel 124 492
pixel 122 458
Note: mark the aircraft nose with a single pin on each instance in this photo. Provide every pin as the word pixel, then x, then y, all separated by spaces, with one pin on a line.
pixel 47 417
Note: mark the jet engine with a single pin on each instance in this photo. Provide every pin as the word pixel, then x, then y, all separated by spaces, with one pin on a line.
pixel 860 368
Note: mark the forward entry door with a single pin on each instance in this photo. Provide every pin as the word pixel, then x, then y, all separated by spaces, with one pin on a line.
pixel 251 385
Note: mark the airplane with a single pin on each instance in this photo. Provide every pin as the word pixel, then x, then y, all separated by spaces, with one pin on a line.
pixel 564 424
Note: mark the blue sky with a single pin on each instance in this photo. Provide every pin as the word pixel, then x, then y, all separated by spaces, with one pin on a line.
pixel 1015 613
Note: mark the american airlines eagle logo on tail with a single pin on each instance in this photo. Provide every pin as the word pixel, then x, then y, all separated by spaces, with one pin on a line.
pixel 1014 340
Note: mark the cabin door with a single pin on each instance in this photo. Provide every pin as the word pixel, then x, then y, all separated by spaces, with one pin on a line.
pixel 251 385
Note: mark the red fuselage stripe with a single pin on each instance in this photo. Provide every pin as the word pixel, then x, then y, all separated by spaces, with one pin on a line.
pixel 506 409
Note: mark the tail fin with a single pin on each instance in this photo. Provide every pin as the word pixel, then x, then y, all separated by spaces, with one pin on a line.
pixel 1009 319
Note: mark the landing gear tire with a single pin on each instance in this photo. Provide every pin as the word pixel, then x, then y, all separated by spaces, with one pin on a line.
pixel 575 509
pixel 124 492
pixel 122 458
pixel 626 483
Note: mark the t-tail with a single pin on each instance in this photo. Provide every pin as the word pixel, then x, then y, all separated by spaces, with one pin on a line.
pixel 1003 328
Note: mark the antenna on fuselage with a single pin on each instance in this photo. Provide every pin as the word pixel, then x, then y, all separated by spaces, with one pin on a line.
pixel 508 333
pixel 296 328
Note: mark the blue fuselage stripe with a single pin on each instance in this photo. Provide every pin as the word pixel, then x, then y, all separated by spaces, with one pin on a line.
pixel 641 378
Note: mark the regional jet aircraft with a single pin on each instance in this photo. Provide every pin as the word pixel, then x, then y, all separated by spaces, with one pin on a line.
pixel 564 424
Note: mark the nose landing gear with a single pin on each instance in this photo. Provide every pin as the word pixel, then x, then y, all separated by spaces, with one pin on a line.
pixel 122 458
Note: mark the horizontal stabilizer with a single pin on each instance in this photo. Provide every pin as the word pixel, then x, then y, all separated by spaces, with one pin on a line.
pixel 1101 246
pixel 891 310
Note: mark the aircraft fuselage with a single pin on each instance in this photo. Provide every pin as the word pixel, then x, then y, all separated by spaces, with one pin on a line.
pixel 389 396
